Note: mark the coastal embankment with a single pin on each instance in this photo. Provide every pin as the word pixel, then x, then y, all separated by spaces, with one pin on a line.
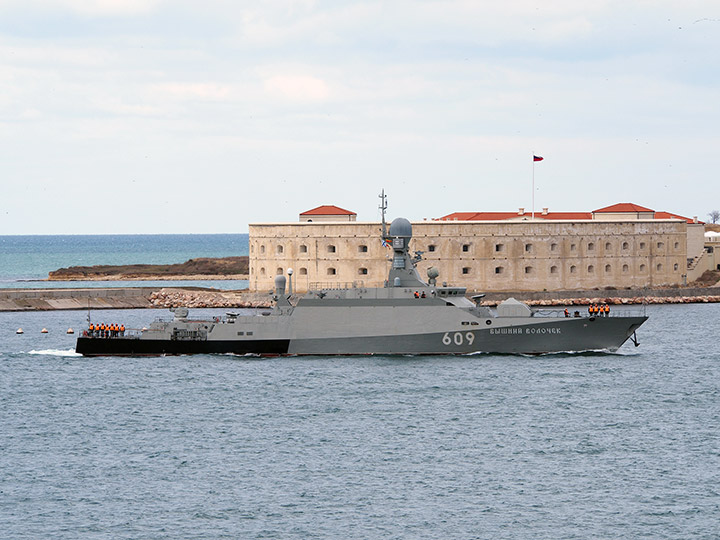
pixel 193 297
pixel 686 295
pixel 126 298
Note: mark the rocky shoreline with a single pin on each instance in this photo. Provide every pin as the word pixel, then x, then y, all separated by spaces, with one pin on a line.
pixel 204 268
pixel 586 301
pixel 194 297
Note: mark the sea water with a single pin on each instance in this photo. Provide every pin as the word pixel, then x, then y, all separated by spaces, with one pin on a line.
pixel 25 260
pixel 562 446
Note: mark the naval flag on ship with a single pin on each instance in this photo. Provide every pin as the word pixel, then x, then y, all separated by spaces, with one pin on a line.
pixel 537 158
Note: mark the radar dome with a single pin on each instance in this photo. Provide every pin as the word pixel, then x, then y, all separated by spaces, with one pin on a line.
pixel 400 227
pixel 433 272
pixel 280 282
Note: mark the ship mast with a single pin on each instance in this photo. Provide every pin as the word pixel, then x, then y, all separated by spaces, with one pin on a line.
pixel 383 207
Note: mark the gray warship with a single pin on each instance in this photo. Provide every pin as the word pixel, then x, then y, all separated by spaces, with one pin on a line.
pixel 408 316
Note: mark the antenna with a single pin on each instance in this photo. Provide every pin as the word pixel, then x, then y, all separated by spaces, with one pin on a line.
pixel 383 207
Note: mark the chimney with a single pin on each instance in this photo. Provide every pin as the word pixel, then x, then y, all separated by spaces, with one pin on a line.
pixel 695 219
pixel 521 211
pixel 545 212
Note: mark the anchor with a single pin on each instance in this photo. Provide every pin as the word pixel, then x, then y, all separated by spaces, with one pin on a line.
pixel 634 340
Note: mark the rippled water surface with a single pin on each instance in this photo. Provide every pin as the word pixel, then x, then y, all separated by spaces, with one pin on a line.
pixel 619 445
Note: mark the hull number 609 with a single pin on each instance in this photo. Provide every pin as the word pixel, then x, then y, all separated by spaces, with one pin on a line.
pixel 458 338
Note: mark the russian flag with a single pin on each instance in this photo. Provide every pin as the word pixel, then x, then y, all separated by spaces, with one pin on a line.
pixel 537 158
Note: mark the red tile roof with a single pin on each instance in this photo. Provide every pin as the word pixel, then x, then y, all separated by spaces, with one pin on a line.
pixel 623 207
pixel 328 210
pixel 668 215
pixel 502 216
pixel 618 208
pixel 479 216
pixel 566 215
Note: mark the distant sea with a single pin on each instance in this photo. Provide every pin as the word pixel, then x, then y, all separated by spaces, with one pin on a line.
pixel 26 259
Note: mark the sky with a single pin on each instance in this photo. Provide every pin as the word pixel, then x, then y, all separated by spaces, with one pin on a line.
pixel 154 116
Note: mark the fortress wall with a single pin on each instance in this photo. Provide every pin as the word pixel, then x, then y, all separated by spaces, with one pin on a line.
pixel 483 256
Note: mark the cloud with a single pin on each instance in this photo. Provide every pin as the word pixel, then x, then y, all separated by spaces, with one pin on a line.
pixel 297 87
pixel 87 7
pixel 190 91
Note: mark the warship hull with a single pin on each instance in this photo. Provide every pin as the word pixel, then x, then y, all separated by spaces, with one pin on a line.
pixel 516 337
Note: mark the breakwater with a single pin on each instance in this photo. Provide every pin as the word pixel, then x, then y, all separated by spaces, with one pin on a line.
pixel 126 298
pixel 154 297
pixel 688 295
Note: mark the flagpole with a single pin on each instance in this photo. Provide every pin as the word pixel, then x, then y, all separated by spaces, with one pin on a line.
pixel 533 189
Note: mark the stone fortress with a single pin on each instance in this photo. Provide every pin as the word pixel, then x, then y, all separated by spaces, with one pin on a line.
pixel 620 246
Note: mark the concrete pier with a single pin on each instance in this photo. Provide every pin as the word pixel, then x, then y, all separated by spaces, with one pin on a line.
pixel 93 298
pixel 193 297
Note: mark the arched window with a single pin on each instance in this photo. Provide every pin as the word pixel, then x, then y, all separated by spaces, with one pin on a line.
pixel 625 246
pixel 499 269
pixel 499 247
pixel 608 268
pixel 659 267
pixel 660 245
pixel 262 270
pixel 553 269
pixel 626 268
pixel 279 271
pixel 262 248
pixel 362 248
pixel 303 248
pixel 675 266
pixel 553 247
pixel 303 271
pixel 528 248
pixel 608 246
pixel 528 269
pixel 331 272
pixel 331 249
pixel 642 267
pixel 280 249
pixel 591 269
pixel 431 247
pixel 362 271
pixel 677 245
pixel 642 245
pixel 573 269
pixel 573 247
pixel 466 247
pixel 466 270
pixel 591 246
